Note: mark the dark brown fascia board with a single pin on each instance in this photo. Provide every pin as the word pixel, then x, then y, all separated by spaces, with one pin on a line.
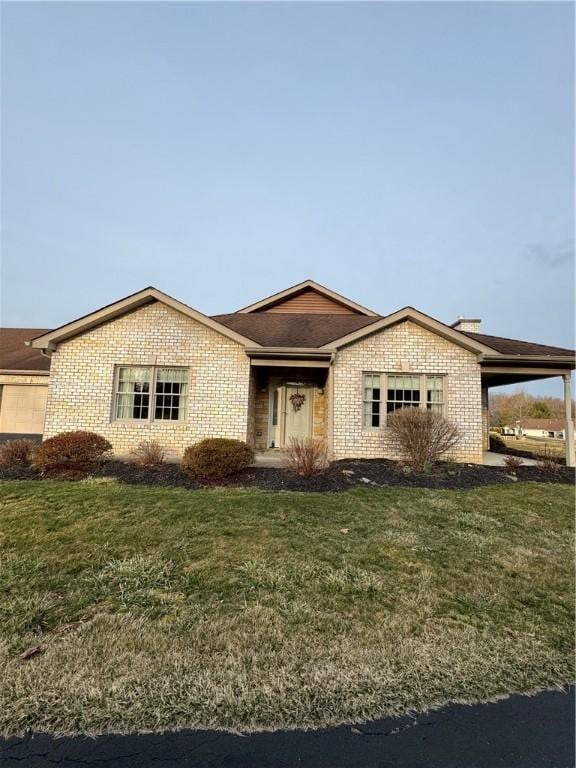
pixel 50 340
pixel 421 319
pixel 299 287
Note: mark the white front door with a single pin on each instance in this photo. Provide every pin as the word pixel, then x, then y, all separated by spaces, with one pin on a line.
pixel 298 420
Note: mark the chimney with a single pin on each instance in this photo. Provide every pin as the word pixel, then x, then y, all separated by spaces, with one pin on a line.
pixel 467 324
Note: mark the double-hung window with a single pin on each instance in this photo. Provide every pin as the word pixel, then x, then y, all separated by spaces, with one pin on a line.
pixel 150 393
pixel 402 392
pixel 372 400
pixel 435 393
pixel 387 392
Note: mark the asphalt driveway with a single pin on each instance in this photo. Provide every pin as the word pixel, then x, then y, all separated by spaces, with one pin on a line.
pixel 519 732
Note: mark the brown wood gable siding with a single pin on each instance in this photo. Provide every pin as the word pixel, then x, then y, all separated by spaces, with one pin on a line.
pixel 310 302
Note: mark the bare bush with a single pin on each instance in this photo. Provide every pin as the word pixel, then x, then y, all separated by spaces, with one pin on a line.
pixel 512 463
pixel 16 453
pixel 422 437
pixel 547 461
pixel 148 453
pixel 307 457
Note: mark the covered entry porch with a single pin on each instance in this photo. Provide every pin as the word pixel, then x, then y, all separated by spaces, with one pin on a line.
pixel 495 374
pixel 289 400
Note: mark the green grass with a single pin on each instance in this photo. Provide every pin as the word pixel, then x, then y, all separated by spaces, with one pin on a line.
pixel 248 610
pixel 536 445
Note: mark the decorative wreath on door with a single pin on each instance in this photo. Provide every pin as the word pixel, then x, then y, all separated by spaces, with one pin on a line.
pixel 297 400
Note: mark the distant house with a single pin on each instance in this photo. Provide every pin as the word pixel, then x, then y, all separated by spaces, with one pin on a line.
pixel 541 428
pixel 304 362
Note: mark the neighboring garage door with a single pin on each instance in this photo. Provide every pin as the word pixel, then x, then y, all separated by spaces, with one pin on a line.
pixel 22 409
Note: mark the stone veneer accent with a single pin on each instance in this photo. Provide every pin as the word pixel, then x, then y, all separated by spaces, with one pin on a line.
pixel 404 348
pixel 82 380
pixel 262 415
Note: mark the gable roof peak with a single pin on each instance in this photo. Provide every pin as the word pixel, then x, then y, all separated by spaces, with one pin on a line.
pixel 48 341
pixel 293 291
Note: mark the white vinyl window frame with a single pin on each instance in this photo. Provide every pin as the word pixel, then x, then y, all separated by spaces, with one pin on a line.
pixel 430 386
pixel 155 376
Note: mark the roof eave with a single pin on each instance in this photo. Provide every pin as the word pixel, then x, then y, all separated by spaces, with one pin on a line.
pixel 507 358
pixel 419 318
pixel 49 341
pixel 23 372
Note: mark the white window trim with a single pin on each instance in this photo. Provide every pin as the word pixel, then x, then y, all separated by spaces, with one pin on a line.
pixel 384 394
pixel 183 410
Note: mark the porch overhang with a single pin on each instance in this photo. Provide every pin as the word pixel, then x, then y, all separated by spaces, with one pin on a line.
pixel 290 357
pixel 499 370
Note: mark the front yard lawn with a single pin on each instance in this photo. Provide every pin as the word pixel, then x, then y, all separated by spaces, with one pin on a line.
pixel 154 608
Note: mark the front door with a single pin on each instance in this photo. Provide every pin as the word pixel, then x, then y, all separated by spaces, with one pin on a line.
pixel 298 412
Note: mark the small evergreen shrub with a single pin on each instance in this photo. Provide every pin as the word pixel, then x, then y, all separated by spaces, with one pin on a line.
pixel 71 450
pixel 215 458
pixel 16 453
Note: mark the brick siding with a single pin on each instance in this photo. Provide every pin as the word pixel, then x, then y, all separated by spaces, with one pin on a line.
pixel 404 348
pixel 82 380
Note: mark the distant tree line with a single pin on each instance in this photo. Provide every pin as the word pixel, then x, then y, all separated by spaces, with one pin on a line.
pixel 508 409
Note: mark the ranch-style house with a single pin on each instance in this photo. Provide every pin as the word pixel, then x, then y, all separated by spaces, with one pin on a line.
pixel 305 362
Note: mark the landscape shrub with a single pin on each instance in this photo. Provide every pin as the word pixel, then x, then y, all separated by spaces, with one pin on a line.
pixel 547 461
pixel 307 456
pixel 512 463
pixel 16 453
pixel 422 437
pixel 71 450
pixel 148 453
pixel 216 457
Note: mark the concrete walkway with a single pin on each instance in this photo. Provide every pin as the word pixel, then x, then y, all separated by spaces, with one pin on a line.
pixel 492 459
pixel 276 459
pixel 269 459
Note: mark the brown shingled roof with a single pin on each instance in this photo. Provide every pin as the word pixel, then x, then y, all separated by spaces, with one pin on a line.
pixel 294 330
pixel 311 330
pixel 553 425
pixel 516 347
pixel 16 356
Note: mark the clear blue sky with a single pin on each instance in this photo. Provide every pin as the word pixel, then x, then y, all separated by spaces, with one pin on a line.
pixel 401 153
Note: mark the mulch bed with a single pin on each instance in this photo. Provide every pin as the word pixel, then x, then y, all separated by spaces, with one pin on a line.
pixel 340 476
